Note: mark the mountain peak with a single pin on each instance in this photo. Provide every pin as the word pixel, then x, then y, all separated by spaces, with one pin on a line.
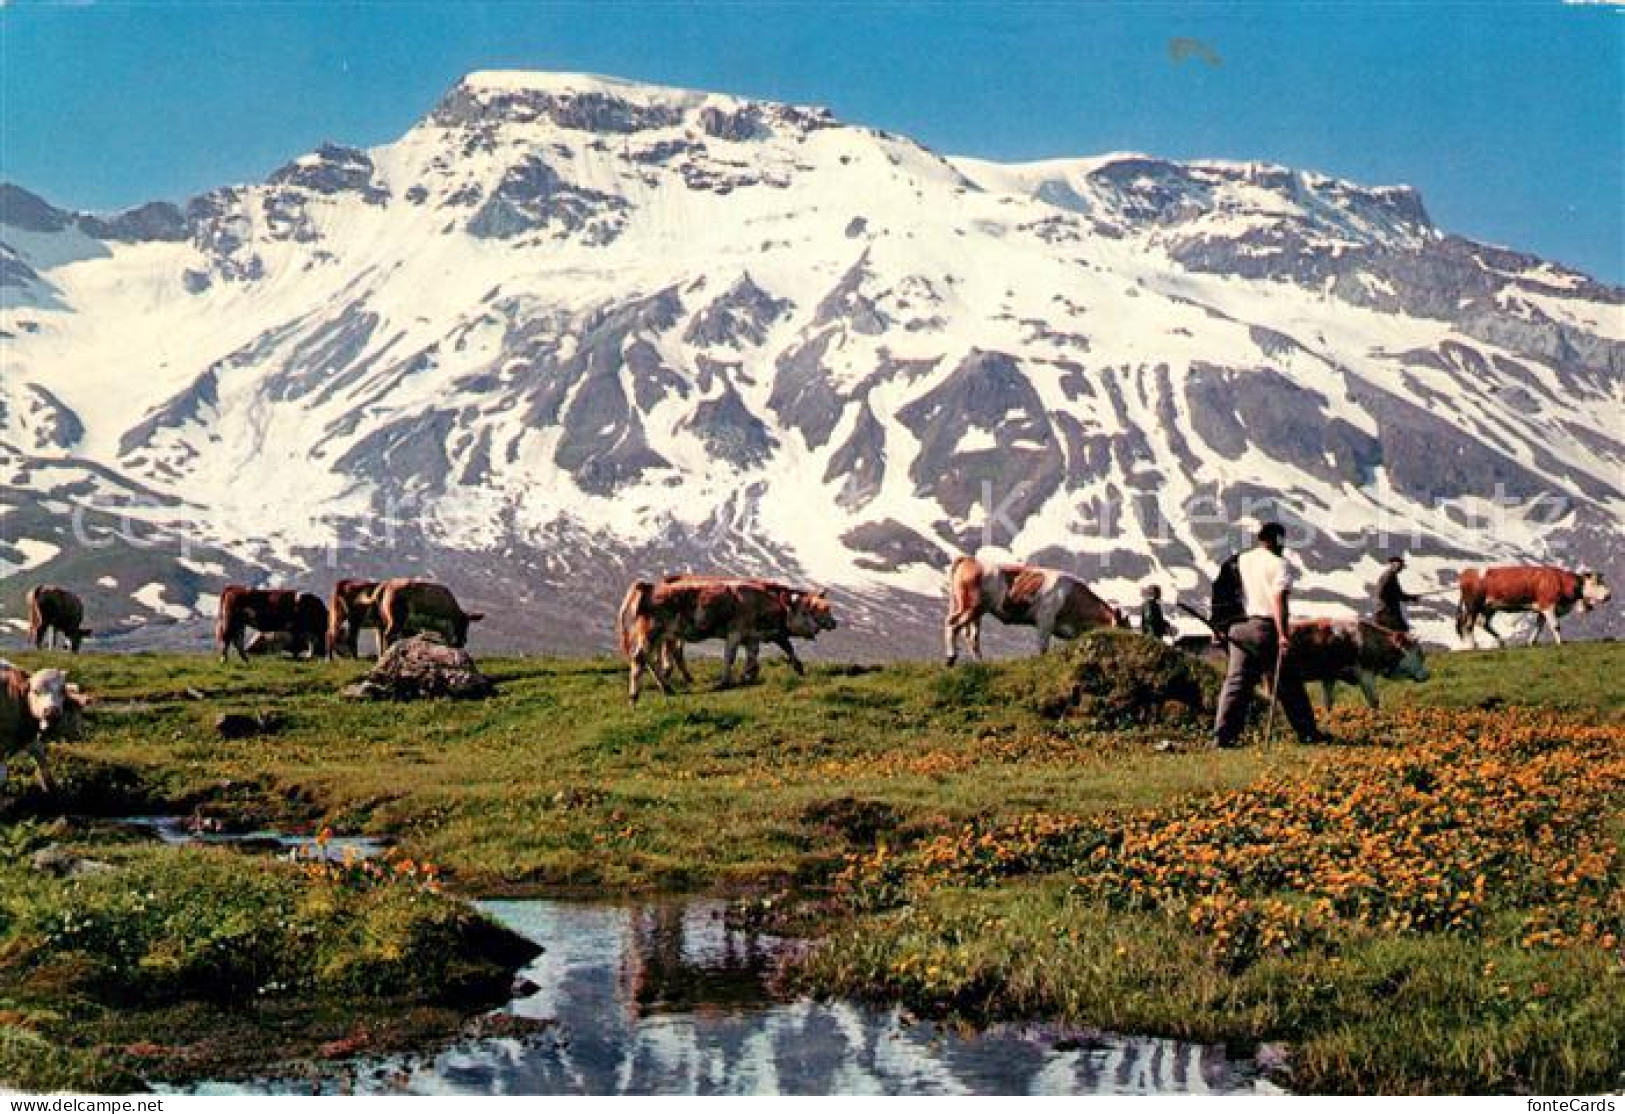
pixel 563 83
pixel 590 102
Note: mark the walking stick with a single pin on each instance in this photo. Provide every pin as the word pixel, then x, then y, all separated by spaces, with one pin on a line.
pixel 1275 695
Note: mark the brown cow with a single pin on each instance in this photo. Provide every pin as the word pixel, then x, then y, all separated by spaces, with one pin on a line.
pixel 300 614
pixel 406 606
pixel 814 604
pixel 53 611
pixel 1547 591
pixel 354 606
pixel 1058 605
pixel 1353 651
pixel 655 619
pixel 34 709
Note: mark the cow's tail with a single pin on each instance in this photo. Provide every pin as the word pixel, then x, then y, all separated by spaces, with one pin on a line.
pixel 634 605
pixel 1467 606
pixel 963 588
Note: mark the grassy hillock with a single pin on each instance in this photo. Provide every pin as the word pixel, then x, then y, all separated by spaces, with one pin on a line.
pixel 155 960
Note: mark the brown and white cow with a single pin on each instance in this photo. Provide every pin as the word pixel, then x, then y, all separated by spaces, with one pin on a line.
pixel 1057 604
pixel 1355 652
pixel 55 611
pixel 1548 591
pixel 406 606
pixel 804 605
pixel 354 606
pixel 34 710
pixel 656 619
pixel 301 615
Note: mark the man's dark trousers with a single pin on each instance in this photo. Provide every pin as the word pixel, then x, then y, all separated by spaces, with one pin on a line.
pixel 1252 658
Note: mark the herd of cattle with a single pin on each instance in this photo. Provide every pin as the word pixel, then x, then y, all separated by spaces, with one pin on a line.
pixel 657 619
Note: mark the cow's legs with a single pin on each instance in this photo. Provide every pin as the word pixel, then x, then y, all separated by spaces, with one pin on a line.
pixel 1491 630
pixel 1328 689
pixel 976 638
pixel 783 643
pixel 1046 631
pixel 951 630
pixel 641 661
pixel 1540 623
pixel 753 660
pixel 1368 686
pixel 1557 631
pixel 730 652
pixel 679 661
pixel 46 782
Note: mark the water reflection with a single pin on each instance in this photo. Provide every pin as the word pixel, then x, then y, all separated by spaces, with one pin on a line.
pixel 181 830
pixel 665 999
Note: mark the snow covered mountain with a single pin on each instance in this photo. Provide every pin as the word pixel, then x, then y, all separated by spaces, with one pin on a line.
pixel 569 329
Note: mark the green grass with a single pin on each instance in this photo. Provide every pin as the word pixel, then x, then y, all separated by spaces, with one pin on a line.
pixel 557 783
pixel 556 786
pixel 142 965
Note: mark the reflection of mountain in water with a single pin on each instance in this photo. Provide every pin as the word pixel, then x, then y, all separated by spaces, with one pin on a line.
pixel 667 1000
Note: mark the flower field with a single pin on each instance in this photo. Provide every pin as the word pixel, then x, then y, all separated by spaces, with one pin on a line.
pixel 1490 834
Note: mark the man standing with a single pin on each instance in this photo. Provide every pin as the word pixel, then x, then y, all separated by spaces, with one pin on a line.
pixel 1256 640
pixel 1391 598
pixel 1152 621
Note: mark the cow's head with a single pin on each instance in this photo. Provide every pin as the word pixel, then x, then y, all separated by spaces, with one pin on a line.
pixel 53 703
pixel 1593 591
pixel 1410 663
pixel 810 613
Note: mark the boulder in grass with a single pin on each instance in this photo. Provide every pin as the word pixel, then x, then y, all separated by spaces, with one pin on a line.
pixel 423 668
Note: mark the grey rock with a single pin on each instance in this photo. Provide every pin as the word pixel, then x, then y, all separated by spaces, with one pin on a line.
pixel 58 861
pixel 587 110
pixel 54 424
pixel 741 316
pixel 860 463
pixel 156 221
pixel 422 668
pixel 28 211
pixel 737 126
pixel 333 169
pixel 533 196
pixel 847 304
pixel 802 395
pixel 730 431
pixel 891 545
pixel 988 391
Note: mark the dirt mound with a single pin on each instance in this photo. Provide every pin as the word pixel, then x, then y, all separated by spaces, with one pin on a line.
pixel 422 668
pixel 1111 679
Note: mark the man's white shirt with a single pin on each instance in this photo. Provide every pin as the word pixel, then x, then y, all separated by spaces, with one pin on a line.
pixel 1264 575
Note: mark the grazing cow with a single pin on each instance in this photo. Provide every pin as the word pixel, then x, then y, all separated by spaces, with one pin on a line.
pixel 301 615
pixel 1549 592
pixel 803 604
pixel 1355 652
pixel 1058 605
pixel 55 611
pixel 656 619
pixel 406 606
pixel 354 606
pixel 34 709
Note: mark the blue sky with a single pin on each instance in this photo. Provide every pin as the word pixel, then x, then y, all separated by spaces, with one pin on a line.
pixel 1510 117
